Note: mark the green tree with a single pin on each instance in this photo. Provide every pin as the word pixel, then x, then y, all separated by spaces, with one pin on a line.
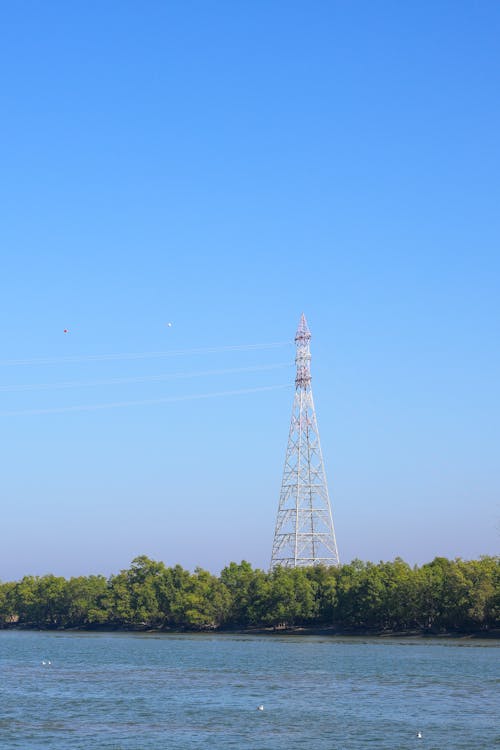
pixel 133 592
pixel 398 608
pixel 324 580
pixel 442 594
pixel 259 592
pixel 41 601
pixel 205 601
pixel 8 613
pixel 52 598
pixel 481 608
pixel 170 585
pixel 291 597
pixel 87 601
pixel 360 590
pixel 238 580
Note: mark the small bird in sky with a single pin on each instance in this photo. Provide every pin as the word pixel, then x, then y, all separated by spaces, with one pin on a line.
pixel 169 325
pixel 66 330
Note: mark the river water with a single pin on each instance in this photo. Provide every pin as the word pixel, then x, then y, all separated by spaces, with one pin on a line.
pixel 183 692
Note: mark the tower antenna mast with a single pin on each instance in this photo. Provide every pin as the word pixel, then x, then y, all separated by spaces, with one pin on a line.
pixel 304 533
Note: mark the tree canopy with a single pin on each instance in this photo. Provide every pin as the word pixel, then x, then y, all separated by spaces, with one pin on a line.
pixel 440 596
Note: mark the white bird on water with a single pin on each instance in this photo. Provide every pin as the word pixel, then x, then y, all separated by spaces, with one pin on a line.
pixel 419 735
pixel 260 708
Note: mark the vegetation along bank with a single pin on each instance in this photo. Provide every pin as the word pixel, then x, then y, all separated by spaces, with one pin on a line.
pixel 453 596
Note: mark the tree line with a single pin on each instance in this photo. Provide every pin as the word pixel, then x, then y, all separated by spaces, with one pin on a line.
pixel 440 596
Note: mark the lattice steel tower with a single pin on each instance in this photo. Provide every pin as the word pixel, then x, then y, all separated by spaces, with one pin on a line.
pixel 304 533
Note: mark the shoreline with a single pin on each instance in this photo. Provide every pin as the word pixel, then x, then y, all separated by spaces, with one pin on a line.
pixel 269 631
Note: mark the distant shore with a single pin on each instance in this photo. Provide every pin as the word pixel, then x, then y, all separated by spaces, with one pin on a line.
pixel 449 598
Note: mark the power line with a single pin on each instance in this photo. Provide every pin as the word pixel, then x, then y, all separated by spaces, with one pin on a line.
pixel 140 355
pixel 146 402
pixel 140 378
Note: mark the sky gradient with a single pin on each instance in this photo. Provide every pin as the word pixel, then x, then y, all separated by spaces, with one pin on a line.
pixel 225 167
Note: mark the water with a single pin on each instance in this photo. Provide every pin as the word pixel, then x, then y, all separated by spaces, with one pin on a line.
pixel 183 692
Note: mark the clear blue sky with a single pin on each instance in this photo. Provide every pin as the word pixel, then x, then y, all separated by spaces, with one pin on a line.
pixel 225 166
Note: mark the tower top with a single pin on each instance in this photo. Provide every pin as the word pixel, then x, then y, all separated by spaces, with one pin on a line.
pixel 303 355
pixel 303 332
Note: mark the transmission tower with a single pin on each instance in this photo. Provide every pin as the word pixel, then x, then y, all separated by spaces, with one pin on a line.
pixel 304 533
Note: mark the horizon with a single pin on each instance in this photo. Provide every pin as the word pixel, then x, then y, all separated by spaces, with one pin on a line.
pixel 268 571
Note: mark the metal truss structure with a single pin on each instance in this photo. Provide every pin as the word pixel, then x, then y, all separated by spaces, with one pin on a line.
pixel 304 533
